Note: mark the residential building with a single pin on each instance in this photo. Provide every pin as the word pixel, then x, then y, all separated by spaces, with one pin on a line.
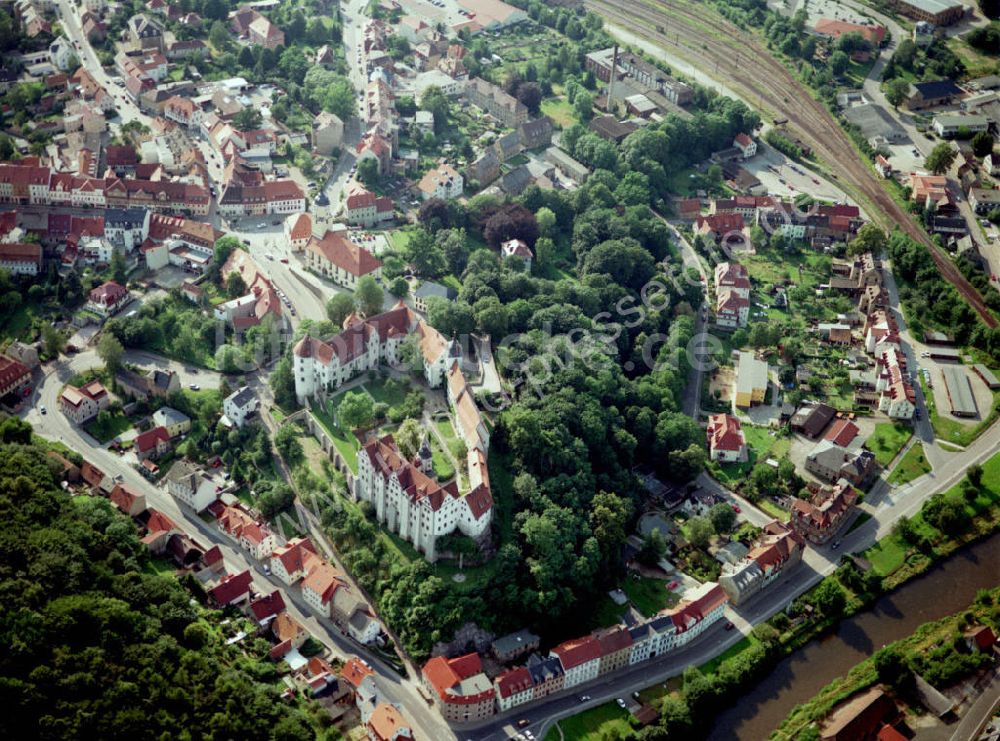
pixel 338 258
pixel 517 248
pixel 547 675
pixel 366 209
pixel 191 486
pixel 726 441
pixel 270 197
pixel 253 536
pixel 509 647
pixel 144 32
pixel 328 133
pixel 21 258
pixel 493 100
pixel 616 648
pixel 83 403
pixel 264 33
pixel 374 145
pixel 24 353
pixel 751 380
pixel 700 608
pixel 442 182
pixel 777 548
pixel 128 500
pixel 461 690
pixel 832 463
pixel 182 110
pixel 15 376
pixel 732 295
pixel 387 723
pixel 108 299
pixel 580 659
pixel 536 133
pixel 984 200
pixel 267 607
pixel 288 562
pixel 746 145
pixel 513 687
pixel 320 583
pixel 949 125
pixel 240 405
pixel 298 231
pixel 232 589
pixel 429 289
pixel 811 419
pixel 152 444
pixel 126 228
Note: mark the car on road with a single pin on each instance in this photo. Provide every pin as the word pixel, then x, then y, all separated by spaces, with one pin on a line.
pixel 729 625
pixel 194 387
pixel 621 702
pixel 736 508
pixel 269 256
pixel 262 224
pixel 836 544
pixel 523 723
pixel 584 698
pixel 43 410
pixel 292 310
pixel 673 585
pixel 284 260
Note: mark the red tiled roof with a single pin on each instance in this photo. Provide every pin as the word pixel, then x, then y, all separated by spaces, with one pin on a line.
pixel 231 587
pixel 123 497
pixel 11 371
pixel 21 252
pixel 148 440
pixel 577 651
pixel 725 433
pixel 354 672
pixel 341 252
pixel 514 681
pixel 842 432
pixel 267 606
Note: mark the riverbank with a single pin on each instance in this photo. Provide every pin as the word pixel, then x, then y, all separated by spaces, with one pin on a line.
pixel 930 650
pixel 761 669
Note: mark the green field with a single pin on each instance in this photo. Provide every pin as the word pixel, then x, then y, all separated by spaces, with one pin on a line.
pixel 603 722
pixel 559 110
pixel 887 440
pixel 107 429
pixel 913 465
pixel 649 595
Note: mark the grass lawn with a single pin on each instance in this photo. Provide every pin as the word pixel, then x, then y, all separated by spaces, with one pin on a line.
pixel 391 395
pixel 773 509
pixel 400 238
pixel 345 442
pixel 762 445
pixel 887 440
pixel 106 430
pixel 709 667
pixel 443 469
pixel 649 595
pixel 602 722
pixel 455 445
pixel 160 566
pixel 913 465
pixel 560 111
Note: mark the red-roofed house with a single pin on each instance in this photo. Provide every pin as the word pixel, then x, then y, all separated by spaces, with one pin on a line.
pixel 84 403
pixel 700 609
pixel 366 209
pixel 727 230
pixel 322 580
pixel 231 589
pixel 462 691
pixel 842 432
pixel 21 258
pixel 265 608
pixel 517 248
pixel 513 688
pixel 128 500
pixel 108 298
pixel 616 648
pixel 152 444
pixel 341 260
pixel 254 537
pixel 817 519
pixel 580 659
pixel 298 230
pixel 14 376
pixel 777 548
pixel 726 441
pixel 388 724
pixel 359 678
pixel 288 562
pixel 746 145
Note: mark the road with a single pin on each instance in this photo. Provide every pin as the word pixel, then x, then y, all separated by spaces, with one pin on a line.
pixel 698 355
pixel 977 715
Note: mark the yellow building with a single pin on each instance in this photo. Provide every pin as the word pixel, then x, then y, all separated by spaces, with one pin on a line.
pixel 751 380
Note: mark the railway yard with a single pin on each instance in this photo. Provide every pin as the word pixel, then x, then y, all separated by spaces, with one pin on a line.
pixel 699 35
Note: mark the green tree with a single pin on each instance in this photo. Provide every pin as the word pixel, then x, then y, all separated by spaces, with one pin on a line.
pixel 408 437
pixel 356 410
pixel 829 598
pixel 53 340
pixel 870 238
pixel 654 547
pixel 940 158
pixel 282 382
pixel 546 221
pixel 583 105
pixel 223 248
pixel 369 296
pixel 339 307
pixel 247 119
pixel 723 517
pixel 288 445
pixel 368 172
pixel 235 285
pixel 982 144
pixel 838 62
pixel 897 91
pixel 119 268
pixel 110 350
pixel 700 531
pixel 399 287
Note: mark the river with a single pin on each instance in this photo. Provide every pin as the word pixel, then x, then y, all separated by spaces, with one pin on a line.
pixel 945 589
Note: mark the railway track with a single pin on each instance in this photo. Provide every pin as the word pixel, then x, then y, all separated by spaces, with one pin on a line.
pixel 706 40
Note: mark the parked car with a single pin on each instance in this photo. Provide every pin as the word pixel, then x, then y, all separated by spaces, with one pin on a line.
pixel 194 387
pixel 729 625
pixel 43 410
pixel 621 702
